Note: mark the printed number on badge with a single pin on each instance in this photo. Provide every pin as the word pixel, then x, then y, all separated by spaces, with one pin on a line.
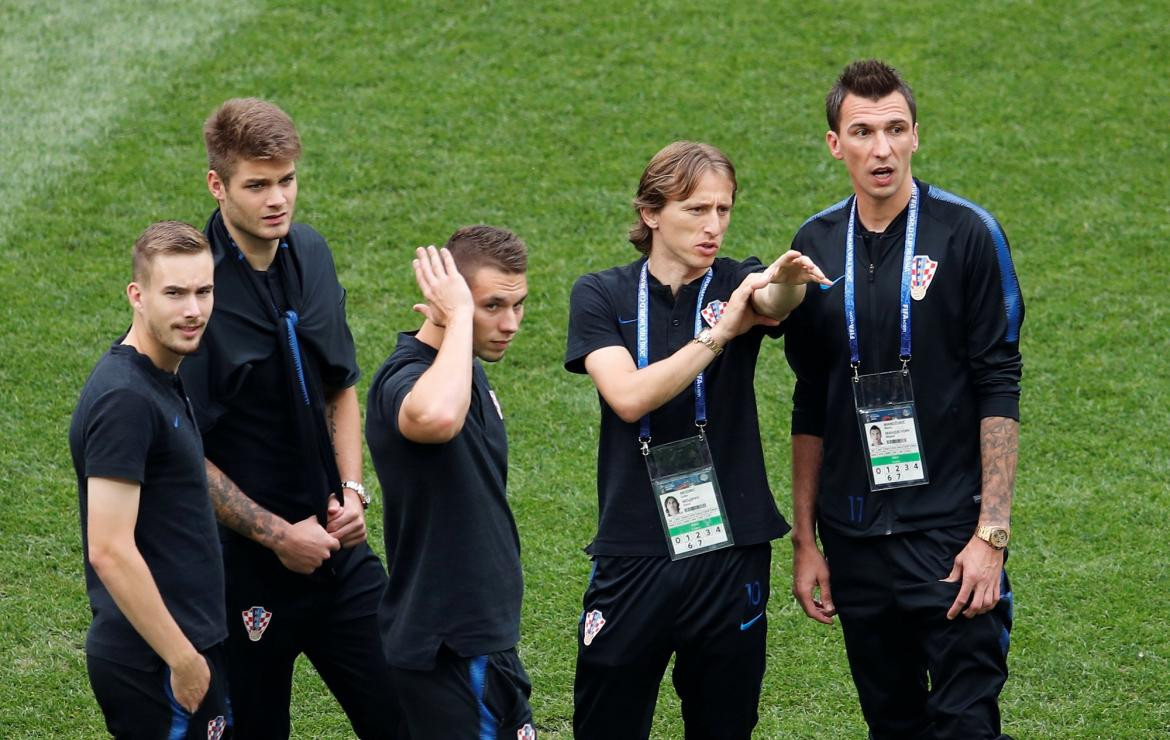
pixel 694 540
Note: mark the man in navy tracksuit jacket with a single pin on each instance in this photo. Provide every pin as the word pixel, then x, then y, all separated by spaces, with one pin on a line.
pixel 915 572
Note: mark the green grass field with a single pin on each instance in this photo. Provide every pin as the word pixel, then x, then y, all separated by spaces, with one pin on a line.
pixel 538 116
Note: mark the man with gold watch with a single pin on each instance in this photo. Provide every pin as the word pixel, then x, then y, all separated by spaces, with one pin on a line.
pixel 905 426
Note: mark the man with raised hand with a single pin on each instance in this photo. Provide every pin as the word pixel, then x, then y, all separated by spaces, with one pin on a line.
pixel 905 426
pixel 671 342
pixel 273 387
pixel 152 561
pixel 450 616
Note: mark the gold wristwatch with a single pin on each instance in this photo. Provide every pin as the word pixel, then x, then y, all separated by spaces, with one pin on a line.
pixel 704 338
pixel 994 535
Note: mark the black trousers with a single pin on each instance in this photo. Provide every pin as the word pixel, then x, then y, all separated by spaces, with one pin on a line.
pixel 918 674
pixel 466 698
pixel 138 703
pixel 708 610
pixel 275 615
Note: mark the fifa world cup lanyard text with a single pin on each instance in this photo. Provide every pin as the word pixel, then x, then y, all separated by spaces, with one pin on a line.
pixel 886 416
pixel 682 474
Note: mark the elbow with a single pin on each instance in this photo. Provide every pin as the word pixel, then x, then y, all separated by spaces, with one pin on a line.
pixel 629 412
pixel 105 558
pixel 436 428
pixel 445 428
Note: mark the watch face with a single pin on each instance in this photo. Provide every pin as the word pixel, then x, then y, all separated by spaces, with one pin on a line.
pixel 999 538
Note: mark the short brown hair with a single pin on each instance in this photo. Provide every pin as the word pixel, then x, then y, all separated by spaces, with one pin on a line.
pixel 673 174
pixel 165 237
pixel 479 246
pixel 867 78
pixel 248 128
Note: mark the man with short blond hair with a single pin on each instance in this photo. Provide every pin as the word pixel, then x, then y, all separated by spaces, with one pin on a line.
pixel 152 561
pixel 274 388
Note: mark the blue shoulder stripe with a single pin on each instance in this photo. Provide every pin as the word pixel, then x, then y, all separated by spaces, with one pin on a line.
pixel 1007 270
pixel 835 207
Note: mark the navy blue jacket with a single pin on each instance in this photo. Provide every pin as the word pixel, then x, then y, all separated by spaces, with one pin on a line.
pixel 965 366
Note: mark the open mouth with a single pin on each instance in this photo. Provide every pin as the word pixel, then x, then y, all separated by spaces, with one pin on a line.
pixel 883 174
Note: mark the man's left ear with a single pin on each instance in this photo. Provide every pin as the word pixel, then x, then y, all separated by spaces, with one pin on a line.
pixel 915 137
pixel 649 217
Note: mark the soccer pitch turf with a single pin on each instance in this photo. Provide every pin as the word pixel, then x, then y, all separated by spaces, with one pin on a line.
pixel 419 118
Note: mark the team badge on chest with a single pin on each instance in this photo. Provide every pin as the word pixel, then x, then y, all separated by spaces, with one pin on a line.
pixel 216 727
pixel 526 732
pixel 593 624
pixel 921 274
pixel 256 620
pixel 713 312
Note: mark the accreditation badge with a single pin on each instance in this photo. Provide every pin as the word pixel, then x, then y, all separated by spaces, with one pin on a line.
pixel 686 493
pixel 889 430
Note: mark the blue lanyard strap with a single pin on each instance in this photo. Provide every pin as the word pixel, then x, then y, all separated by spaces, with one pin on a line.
pixel 644 347
pixel 904 299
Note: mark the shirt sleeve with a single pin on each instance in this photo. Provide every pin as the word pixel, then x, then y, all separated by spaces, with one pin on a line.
pixel 341 370
pixel 393 389
pixel 807 358
pixel 119 432
pixel 995 313
pixel 810 392
pixel 592 323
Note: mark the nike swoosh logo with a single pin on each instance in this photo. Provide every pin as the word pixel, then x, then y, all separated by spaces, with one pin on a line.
pixel 744 626
pixel 626 321
pixel 822 286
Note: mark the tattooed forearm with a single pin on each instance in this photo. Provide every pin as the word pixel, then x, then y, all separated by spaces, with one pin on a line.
pixel 999 439
pixel 236 511
pixel 331 419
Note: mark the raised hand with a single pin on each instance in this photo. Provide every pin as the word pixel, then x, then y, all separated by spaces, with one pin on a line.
pixel 444 289
pixel 738 314
pixel 793 268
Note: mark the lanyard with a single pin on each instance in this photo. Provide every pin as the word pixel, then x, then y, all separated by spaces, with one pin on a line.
pixel 907 264
pixel 644 349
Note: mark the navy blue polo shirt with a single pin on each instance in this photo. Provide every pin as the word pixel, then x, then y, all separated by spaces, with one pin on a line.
pixel 452 550
pixel 133 422
pixel 603 310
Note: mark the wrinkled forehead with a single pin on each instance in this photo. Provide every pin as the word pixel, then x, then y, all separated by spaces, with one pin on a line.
pixel 856 110
pixel 713 185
